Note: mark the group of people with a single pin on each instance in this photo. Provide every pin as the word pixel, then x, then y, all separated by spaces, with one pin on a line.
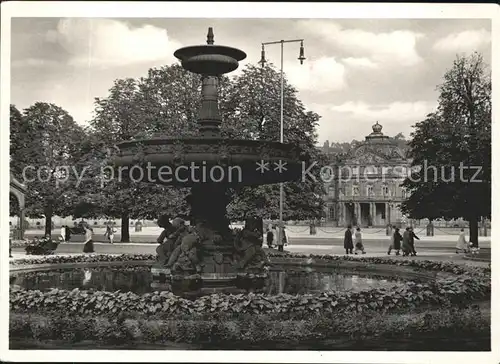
pixel 65 234
pixel 405 242
pixel 272 238
pixel 358 241
pixel 88 246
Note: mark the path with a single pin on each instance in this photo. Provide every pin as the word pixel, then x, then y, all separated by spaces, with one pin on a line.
pixel 443 251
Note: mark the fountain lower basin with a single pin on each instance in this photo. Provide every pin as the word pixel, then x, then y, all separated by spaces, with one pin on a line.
pixel 193 161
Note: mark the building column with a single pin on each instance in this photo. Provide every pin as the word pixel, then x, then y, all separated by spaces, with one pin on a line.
pixel 21 224
pixel 373 213
pixel 358 213
pixel 342 214
pixel 387 219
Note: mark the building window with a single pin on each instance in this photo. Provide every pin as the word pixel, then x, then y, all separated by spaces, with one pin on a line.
pixel 331 191
pixel 385 190
pixel 355 190
pixel 370 170
pixel 369 190
pixel 331 213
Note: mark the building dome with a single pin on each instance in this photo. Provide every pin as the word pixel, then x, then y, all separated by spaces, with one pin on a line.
pixel 377 128
pixel 377 136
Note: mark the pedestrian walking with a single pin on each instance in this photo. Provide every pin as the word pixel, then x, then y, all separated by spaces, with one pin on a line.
pixel 275 235
pixel 270 238
pixel 282 239
pixel 110 233
pixel 348 245
pixel 406 247
pixel 413 236
pixel 358 242
pixel 461 243
pixel 395 242
pixel 67 233
pixel 63 234
pixel 88 247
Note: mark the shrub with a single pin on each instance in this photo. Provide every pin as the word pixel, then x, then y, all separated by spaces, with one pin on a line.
pixel 253 328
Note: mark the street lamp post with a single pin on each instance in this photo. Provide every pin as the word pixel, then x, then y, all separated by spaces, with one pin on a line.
pixel 262 62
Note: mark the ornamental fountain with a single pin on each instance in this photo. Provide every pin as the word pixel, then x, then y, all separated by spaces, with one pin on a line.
pixel 209 257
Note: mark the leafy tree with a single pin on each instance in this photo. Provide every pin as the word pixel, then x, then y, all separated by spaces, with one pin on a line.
pixel 166 103
pixel 253 112
pixel 157 105
pixel 457 134
pixel 43 140
pixel 118 117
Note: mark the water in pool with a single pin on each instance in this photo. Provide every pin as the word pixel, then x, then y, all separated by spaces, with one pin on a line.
pixel 139 279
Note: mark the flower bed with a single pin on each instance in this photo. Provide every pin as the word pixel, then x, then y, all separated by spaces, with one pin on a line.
pixel 469 283
pixel 19 243
pixel 160 316
pixel 356 332
pixel 81 302
pixel 83 258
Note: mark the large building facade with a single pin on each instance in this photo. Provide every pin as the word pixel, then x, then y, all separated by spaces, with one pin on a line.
pixel 364 189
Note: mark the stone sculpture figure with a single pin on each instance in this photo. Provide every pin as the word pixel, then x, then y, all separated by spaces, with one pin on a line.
pixel 248 246
pixel 185 256
pixel 170 237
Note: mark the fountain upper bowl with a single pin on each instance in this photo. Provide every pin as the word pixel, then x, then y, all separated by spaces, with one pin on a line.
pixel 210 59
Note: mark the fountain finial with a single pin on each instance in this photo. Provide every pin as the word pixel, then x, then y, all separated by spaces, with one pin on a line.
pixel 210 36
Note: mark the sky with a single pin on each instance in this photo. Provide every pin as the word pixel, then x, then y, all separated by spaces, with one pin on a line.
pixel 357 71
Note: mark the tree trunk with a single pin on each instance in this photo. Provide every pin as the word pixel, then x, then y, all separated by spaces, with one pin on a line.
pixel 125 232
pixel 48 222
pixel 473 231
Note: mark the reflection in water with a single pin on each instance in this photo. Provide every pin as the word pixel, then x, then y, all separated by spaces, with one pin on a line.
pixel 300 282
pixel 139 279
pixel 87 277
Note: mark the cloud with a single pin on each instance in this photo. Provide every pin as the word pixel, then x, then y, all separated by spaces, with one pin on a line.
pixel 107 43
pixel 395 47
pixel 323 74
pixel 466 41
pixel 360 62
pixel 34 63
pixel 395 111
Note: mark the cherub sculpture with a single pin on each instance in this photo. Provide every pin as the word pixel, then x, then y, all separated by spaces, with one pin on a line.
pixel 248 245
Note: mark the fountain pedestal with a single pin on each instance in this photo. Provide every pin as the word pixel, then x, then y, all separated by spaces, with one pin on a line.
pixel 209 257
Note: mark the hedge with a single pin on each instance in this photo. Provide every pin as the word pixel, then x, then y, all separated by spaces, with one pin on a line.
pixel 469 323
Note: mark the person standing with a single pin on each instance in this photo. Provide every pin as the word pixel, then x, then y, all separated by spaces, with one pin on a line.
pixel 269 237
pixel 359 242
pixel 63 233
pixel 282 239
pixel 461 243
pixel 110 233
pixel 348 245
pixel 67 233
pixel 413 236
pixel 88 247
pixel 406 242
pixel 396 242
